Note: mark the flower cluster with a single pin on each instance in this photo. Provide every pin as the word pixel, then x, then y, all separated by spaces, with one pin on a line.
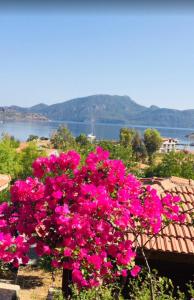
pixel 81 216
pixel 12 248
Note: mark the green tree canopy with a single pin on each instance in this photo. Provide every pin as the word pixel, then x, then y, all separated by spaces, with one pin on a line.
pixel 82 140
pixel 119 151
pixel 138 147
pixel 32 137
pixel 17 164
pixel 174 164
pixel 152 141
pixel 26 158
pixel 126 136
pixel 63 139
pixel 9 159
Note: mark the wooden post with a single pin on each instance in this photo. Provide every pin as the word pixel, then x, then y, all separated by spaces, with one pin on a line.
pixel 66 281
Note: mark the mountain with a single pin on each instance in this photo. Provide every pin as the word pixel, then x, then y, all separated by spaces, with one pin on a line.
pixel 112 109
pixel 101 108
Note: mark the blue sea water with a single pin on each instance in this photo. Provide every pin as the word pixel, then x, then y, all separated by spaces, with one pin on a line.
pixel 21 130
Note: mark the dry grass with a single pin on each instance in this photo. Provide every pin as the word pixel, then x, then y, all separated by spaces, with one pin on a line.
pixel 34 283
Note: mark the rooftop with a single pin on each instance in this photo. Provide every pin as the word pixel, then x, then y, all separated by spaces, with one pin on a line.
pixel 174 238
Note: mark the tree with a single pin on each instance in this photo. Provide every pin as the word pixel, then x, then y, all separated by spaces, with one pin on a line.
pixel 32 137
pixel 9 160
pixel 17 164
pixel 63 139
pixel 126 136
pixel 138 147
pixel 119 151
pixel 152 141
pixel 26 158
pixel 80 217
pixel 14 143
pixel 82 140
pixel 174 164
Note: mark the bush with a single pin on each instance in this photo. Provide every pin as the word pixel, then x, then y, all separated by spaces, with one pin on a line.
pixel 80 217
pixel 164 288
pixel 174 164
pixel 99 293
pixel 139 289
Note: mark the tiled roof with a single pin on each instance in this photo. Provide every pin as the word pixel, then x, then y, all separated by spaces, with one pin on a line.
pixel 175 238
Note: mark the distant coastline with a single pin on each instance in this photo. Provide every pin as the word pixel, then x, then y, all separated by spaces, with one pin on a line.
pixel 8 115
pixel 102 109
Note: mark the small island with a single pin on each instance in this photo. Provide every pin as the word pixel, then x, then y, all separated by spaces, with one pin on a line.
pixel 9 114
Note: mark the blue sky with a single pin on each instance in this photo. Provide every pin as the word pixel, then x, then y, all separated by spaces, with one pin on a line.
pixel 55 57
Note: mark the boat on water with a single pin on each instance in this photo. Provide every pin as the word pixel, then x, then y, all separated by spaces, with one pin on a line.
pixel 91 137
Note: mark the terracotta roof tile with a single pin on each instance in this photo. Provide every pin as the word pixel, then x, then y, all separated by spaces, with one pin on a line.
pixel 175 244
pixel 177 238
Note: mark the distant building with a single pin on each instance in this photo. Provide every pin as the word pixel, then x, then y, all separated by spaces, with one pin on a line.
pixel 4 181
pixel 168 145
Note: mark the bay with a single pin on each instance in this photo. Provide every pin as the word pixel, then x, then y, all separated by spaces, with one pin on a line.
pixel 21 130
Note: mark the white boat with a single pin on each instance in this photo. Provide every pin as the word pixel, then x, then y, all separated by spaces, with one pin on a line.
pixel 91 137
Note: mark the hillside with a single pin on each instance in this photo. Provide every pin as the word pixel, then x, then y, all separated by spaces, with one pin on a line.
pixel 101 108
pixel 112 109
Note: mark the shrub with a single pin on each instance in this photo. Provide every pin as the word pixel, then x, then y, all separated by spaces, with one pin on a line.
pixel 80 217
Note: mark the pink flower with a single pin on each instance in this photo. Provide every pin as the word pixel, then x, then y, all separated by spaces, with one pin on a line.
pixel 67 252
pixel 77 276
pixel 135 271
pixel 80 216
pixel 124 273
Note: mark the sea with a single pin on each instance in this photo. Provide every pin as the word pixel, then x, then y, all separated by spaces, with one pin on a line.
pixel 21 130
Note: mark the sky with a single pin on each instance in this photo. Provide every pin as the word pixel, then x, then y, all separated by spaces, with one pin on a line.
pixel 54 57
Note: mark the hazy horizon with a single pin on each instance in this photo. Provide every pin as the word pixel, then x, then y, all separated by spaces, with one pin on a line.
pixel 53 58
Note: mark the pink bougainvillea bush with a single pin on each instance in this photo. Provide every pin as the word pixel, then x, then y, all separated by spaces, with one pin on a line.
pixel 81 216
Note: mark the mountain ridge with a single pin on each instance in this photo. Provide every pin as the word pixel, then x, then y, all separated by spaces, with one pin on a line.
pixel 104 108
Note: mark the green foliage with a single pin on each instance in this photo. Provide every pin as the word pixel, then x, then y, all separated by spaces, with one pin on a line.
pixel 63 139
pixel 174 164
pixel 131 138
pixel 4 195
pixel 119 151
pixel 163 288
pixel 99 293
pixel 83 146
pixel 32 137
pixel 129 149
pixel 82 140
pixel 126 136
pixel 11 139
pixel 84 150
pixel 17 165
pixel 190 287
pixel 9 160
pixel 44 263
pixel 138 147
pixel 44 138
pixel 139 289
pixel 26 158
pixel 152 141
